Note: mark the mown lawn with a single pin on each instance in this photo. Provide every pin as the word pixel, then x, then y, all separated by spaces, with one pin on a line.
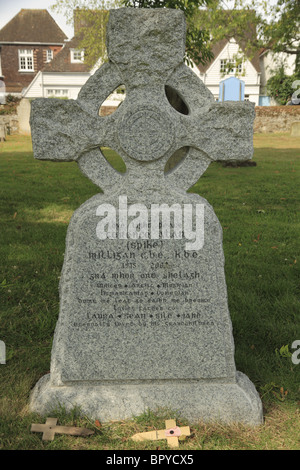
pixel 258 208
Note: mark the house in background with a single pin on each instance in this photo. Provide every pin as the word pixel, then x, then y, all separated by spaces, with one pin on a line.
pixel 63 77
pixel 229 62
pixel 27 42
pixel 37 60
pixel 67 73
pixel 269 62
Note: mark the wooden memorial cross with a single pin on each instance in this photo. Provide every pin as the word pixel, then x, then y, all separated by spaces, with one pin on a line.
pixel 145 128
pixel 49 429
pixel 171 433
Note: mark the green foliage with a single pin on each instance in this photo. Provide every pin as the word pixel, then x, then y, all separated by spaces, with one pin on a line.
pixel 92 16
pixel 187 7
pixel 91 19
pixel 280 86
pixel 10 105
pixel 258 209
pixel 282 32
pixel 198 44
pixel 12 99
pixel 254 24
pixel 283 351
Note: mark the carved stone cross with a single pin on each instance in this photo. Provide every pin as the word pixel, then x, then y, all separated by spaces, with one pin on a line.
pixel 144 321
pixel 145 128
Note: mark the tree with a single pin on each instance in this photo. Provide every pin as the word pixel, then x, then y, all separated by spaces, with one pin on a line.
pixel 91 18
pixel 282 32
pixel 254 24
pixel 280 86
pixel 198 44
pixel 257 24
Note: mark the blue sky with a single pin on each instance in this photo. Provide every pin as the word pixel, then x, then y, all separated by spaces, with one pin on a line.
pixel 9 8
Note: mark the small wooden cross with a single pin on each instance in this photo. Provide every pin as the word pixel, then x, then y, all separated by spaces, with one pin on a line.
pixel 49 429
pixel 171 433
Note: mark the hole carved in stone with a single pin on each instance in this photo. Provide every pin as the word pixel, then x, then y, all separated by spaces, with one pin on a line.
pixel 176 100
pixel 113 101
pixel 114 159
pixel 175 160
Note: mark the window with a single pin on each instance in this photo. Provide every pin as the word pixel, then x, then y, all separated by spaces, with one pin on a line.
pixel 227 66
pixel 49 55
pixel 223 63
pixel 57 93
pixel 26 60
pixel 77 56
pixel 239 67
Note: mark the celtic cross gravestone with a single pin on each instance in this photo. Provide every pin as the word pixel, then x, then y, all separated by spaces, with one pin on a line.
pixel 144 320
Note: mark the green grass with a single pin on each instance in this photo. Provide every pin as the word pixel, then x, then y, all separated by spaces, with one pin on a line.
pixel 258 208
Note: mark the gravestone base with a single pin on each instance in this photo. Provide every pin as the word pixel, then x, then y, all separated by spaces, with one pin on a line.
pixel 197 401
pixel 144 320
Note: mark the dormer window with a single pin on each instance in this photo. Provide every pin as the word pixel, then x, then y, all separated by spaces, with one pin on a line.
pixel 49 55
pixel 77 56
pixel 26 60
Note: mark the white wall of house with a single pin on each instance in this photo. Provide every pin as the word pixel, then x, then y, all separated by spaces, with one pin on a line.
pixel 34 90
pixel 248 74
pixel 270 61
pixel 57 85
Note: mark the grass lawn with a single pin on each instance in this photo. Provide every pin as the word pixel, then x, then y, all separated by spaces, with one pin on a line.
pixel 258 208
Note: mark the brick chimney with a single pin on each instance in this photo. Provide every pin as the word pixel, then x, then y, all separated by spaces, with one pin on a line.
pixel 79 20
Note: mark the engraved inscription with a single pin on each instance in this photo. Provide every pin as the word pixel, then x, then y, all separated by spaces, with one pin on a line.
pixel 137 289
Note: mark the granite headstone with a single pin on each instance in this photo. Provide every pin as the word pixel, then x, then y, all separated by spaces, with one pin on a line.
pixel 144 320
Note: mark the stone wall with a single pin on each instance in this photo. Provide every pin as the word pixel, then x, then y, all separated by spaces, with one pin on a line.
pixel 268 118
pixel 275 118
pixel 17 123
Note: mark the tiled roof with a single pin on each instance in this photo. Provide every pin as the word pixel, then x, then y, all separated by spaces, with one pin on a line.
pixel 62 61
pixel 32 26
pixel 219 46
pixel 216 49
